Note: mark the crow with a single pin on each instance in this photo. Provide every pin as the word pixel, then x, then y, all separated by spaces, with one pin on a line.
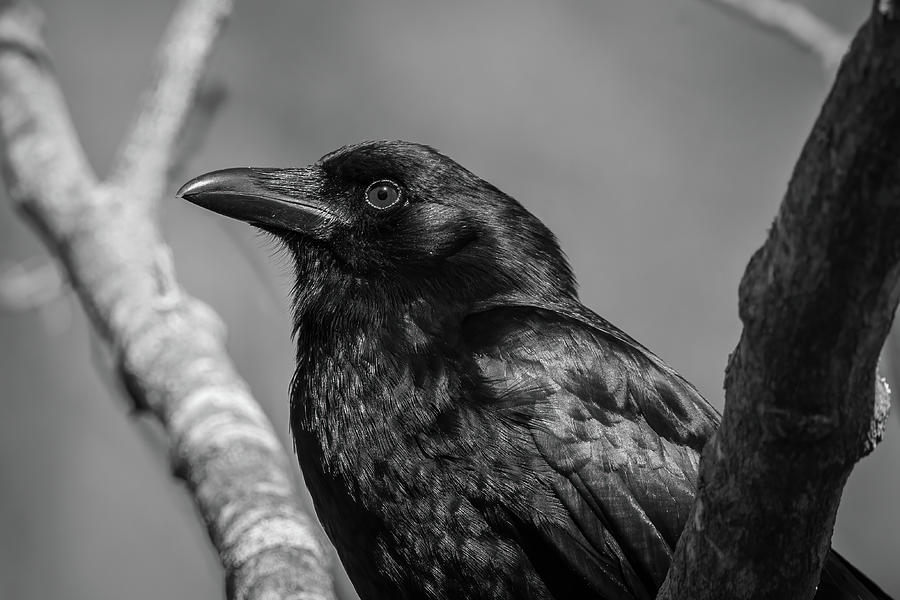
pixel 466 427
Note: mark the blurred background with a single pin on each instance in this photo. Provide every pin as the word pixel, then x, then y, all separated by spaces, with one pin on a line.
pixel 655 138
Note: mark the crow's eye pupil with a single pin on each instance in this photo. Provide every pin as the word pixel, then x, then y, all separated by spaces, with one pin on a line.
pixel 383 194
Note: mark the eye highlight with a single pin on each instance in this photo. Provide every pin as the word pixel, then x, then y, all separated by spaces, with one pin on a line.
pixel 383 194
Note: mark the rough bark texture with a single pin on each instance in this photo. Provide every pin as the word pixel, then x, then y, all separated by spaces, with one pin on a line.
pixel 169 346
pixel 803 402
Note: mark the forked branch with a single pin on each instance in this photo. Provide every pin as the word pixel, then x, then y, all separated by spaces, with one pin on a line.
pixel 168 345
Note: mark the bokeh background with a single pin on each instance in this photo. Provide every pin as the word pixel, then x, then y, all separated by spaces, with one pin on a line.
pixel 654 137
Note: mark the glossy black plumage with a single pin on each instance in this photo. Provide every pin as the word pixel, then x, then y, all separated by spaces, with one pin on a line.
pixel 466 427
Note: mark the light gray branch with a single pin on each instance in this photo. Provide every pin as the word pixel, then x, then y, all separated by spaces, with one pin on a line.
pixel 148 151
pixel 169 346
pixel 797 24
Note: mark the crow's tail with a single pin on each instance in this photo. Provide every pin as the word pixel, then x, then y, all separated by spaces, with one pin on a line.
pixel 842 581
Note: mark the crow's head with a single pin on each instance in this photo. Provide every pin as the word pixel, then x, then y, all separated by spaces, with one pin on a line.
pixel 394 214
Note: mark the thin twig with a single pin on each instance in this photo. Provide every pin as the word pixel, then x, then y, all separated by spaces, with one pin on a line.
pixel 168 347
pixel 150 148
pixel 797 24
pixel 210 97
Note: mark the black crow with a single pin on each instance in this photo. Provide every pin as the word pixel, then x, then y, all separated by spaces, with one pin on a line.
pixel 467 428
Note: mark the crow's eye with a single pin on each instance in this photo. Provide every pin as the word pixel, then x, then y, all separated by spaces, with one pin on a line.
pixel 383 194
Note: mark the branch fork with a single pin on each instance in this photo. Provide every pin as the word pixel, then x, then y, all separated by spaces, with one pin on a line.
pixel 168 345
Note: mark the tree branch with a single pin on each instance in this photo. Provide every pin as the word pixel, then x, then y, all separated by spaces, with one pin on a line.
pixel 817 300
pixel 208 100
pixel 169 346
pixel 797 24
pixel 150 148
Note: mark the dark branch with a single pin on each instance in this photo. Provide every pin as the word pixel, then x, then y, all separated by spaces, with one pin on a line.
pixel 803 403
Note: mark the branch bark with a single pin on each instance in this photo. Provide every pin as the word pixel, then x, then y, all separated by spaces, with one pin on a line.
pixel 169 346
pixel 147 152
pixel 803 403
pixel 798 25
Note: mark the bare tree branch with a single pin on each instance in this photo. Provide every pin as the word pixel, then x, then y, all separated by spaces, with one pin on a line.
pixel 208 101
pixel 797 24
pixel 803 403
pixel 148 151
pixel 168 346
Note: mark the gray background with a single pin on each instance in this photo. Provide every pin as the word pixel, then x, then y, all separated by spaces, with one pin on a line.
pixel 655 138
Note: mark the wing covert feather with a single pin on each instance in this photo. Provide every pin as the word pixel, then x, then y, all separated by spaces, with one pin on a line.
pixel 619 431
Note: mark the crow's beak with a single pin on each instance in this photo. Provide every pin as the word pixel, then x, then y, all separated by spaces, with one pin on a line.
pixel 279 199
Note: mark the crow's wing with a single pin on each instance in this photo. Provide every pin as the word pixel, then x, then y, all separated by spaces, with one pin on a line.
pixel 618 434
